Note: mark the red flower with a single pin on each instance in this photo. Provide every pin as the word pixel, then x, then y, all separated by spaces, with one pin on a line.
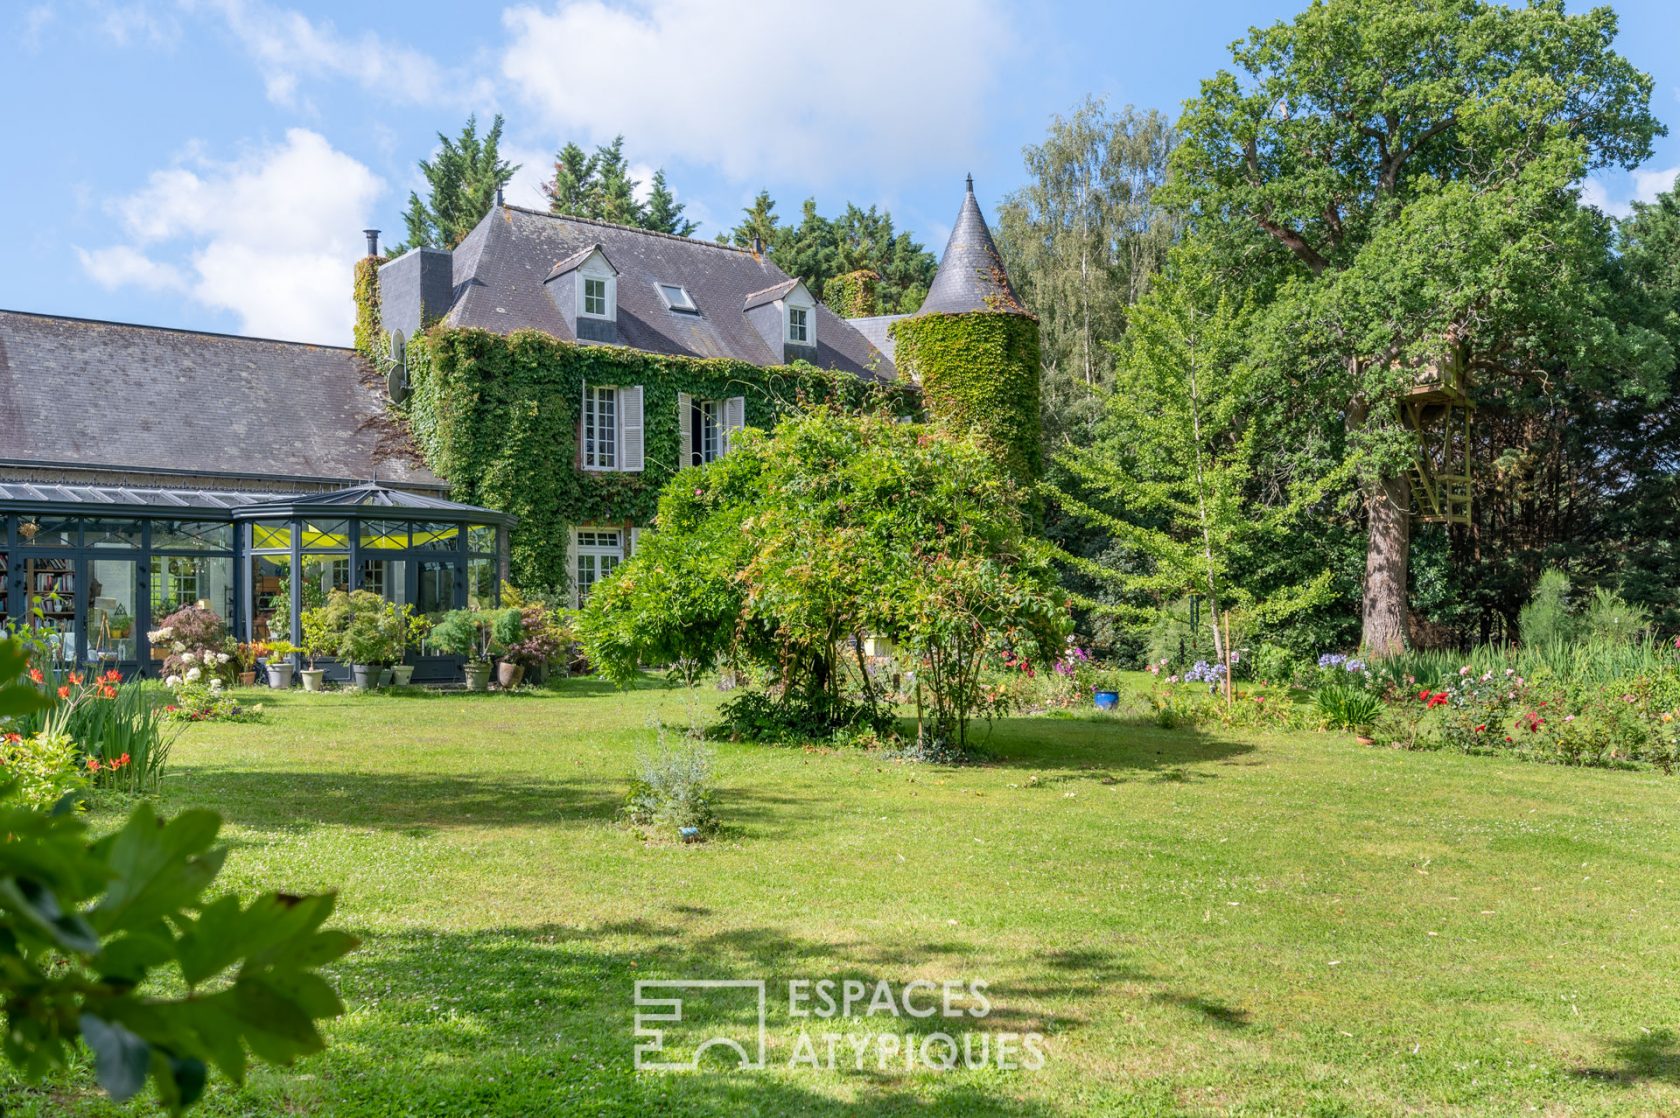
pixel 76 678
pixel 35 674
pixel 112 676
pixel 93 764
pixel 14 738
pixel 1423 696
pixel 64 692
pixel 1482 729
pixel 107 692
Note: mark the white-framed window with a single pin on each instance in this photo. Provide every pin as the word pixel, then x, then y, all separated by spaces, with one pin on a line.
pixel 595 297
pixel 600 427
pixel 596 552
pixel 706 426
pixel 799 325
pixel 610 428
pixel 677 298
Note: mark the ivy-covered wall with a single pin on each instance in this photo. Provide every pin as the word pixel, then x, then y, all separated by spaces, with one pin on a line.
pixel 979 371
pixel 497 416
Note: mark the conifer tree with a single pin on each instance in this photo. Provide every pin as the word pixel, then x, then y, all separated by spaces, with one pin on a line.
pixel 462 179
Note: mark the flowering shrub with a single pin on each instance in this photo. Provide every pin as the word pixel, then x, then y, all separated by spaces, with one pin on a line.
pixel 107 719
pixel 198 643
pixel 197 701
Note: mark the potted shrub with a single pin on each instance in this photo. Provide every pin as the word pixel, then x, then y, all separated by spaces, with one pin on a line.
pixel 531 638
pixel 319 639
pixel 466 633
pixel 247 655
pixel 279 664
pixel 507 627
pixel 416 628
pixel 372 638
pixel 1105 689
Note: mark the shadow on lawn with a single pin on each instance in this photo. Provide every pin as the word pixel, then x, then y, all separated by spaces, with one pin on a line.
pixel 1649 1057
pixel 421 804
pixel 1107 749
pixel 550 1014
pixel 555 1004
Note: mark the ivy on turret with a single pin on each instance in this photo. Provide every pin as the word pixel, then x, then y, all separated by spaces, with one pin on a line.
pixel 979 371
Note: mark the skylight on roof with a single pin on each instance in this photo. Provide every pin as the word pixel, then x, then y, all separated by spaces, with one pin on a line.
pixel 676 298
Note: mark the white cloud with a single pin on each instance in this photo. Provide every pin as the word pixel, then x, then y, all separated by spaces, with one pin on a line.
pixel 125 265
pixel 764 88
pixel 536 167
pixel 270 236
pixel 289 47
pixel 124 24
pixel 1645 186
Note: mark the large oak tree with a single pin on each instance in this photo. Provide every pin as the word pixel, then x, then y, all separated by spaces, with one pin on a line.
pixel 1396 183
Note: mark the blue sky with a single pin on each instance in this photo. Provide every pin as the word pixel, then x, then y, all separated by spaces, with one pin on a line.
pixel 210 163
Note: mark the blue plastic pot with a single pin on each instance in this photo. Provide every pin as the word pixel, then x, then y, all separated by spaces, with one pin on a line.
pixel 1107 700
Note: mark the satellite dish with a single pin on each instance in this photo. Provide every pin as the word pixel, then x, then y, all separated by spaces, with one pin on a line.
pixel 396 381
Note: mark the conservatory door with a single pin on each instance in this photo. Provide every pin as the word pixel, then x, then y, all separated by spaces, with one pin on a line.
pixel 112 615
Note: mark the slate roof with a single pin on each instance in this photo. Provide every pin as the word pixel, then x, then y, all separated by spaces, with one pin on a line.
pixel 88 394
pixel 500 267
pixel 876 328
pixel 971 275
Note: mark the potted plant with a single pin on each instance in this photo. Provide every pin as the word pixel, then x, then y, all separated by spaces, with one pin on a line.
pixel 372 638
pixel 319 639
pixel 507 626
pixel 279 664
pixel 416 627
pixel 531 637
pixel 247 654
pixel 1105 690
pixel 467 633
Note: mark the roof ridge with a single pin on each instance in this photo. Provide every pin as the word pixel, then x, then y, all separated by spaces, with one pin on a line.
pixel 629 229
pixel 174 330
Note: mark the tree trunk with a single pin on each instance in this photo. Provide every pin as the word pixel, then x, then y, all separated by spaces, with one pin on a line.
pixel 1388 508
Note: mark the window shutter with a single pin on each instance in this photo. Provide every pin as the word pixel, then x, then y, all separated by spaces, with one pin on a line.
pixel 635 542
pixel 582 429
pixel 734 418
pixel 685 425
pixel 571 566
pixel 630 428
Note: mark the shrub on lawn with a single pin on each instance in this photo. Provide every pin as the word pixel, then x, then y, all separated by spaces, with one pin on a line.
pixel 791 550
pixel 671 793
pixel 43 768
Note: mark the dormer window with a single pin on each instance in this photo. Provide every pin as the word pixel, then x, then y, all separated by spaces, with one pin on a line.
pixel 595 297
pixel 677 298
pixel 799 325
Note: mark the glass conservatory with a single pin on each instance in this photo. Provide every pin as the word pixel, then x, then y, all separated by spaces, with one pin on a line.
pixel 98 566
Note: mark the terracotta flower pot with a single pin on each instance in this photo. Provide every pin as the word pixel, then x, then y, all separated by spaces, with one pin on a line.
pixel 508 674
pixel 247 679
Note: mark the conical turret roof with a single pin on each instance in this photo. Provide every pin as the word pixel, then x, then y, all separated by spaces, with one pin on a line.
pixel 971 276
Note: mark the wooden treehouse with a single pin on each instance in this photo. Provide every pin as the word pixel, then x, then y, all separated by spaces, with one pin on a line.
pixel 1438 409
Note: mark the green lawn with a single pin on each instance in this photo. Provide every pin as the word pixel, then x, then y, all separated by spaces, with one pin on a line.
pixel 1199 924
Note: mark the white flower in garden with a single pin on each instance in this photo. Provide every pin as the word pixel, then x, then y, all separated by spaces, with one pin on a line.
pixel 172 681
pixel 180 646
pixel 222 657
pixel 194 675
pixel 215 685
